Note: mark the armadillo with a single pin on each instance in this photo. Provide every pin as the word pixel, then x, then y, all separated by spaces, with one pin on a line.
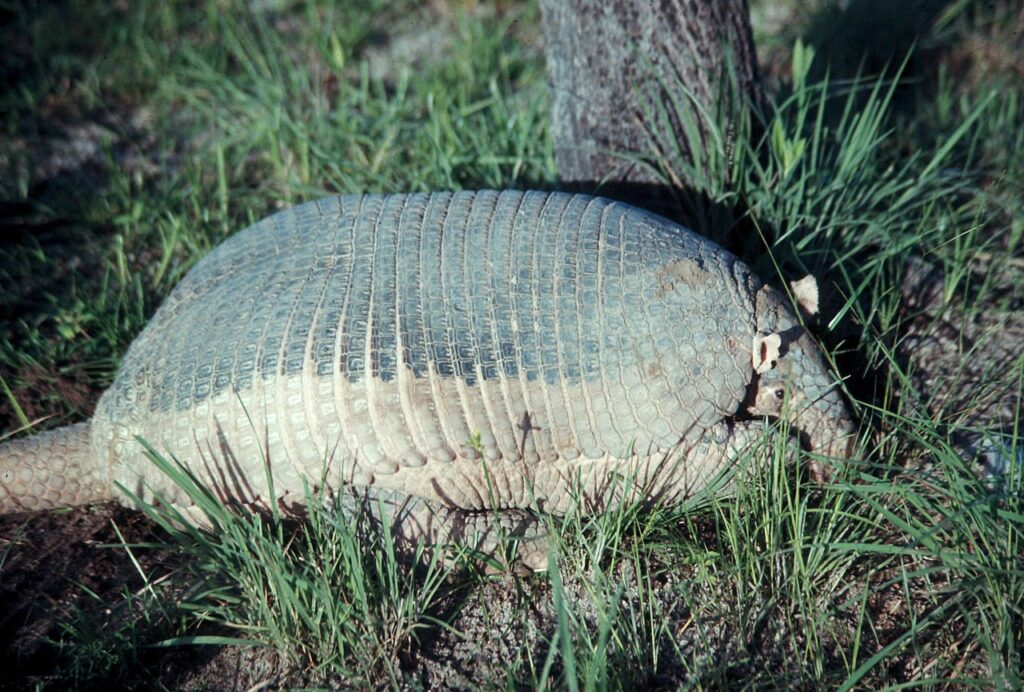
pixel 467 359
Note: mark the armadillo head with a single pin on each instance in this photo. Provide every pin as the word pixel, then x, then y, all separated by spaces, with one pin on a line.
pixel 791 381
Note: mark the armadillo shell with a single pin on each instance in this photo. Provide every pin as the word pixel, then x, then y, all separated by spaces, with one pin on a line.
pixel 402 330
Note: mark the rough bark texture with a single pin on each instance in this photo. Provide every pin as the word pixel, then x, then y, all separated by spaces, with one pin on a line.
pixel 612 65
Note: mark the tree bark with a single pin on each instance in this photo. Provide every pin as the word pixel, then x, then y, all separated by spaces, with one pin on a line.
pixel 620 71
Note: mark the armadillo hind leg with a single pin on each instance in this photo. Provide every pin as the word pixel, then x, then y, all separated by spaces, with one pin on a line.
pixel 415 520
pixel 52 469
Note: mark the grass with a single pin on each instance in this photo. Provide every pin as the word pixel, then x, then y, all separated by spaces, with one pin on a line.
pixel 908 570
pixel 328 594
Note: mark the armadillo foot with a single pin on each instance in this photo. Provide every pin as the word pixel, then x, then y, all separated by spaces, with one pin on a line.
pixel 521 557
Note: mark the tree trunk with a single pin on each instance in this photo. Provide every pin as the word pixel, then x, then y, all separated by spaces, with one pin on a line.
pixel 621 72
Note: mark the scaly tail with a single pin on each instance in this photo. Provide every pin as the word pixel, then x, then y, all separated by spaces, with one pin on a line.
pixel 51 469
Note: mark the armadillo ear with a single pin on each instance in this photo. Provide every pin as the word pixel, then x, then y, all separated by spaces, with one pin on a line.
pixel 767 350
pixel 805 291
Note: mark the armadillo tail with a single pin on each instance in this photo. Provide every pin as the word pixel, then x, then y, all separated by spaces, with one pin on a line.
pixel 51 469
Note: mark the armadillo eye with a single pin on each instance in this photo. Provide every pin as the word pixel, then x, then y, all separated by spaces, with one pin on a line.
pixel 780 393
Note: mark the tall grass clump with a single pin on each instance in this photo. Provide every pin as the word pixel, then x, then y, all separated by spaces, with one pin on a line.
pixel 876 578
pixel 312 121
pixel 613 608
pixel 330 594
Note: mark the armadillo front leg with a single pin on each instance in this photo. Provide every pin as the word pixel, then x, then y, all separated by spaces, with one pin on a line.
pixel 698 466
pixel 414 520
pixel 728 442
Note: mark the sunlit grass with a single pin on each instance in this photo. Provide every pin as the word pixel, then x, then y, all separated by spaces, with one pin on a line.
pixel 908 568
